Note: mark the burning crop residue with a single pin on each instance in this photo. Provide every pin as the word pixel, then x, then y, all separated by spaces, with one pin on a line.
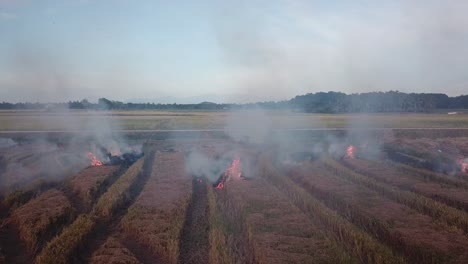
pixel 463 163
pixel 115 157
pixel 94 160
pixel 232 172
pixel 125 159
pixel 350 151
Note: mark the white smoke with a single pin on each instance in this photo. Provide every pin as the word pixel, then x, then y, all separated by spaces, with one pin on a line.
pixel 6 143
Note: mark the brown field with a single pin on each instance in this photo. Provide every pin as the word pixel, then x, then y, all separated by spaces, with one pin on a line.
pixel 169 120
pixel 306 201
pixel 112 251
pixel 396 224
pixel 89 183
pixel 280 232
pixel 27 164
pixel 157 226
pixel 42 217
pixel 442 188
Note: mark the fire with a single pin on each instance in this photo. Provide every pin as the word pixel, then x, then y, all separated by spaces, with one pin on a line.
pixel 463 165
pixel 232 172
pixel 234 169
pixel 350 151
pixel 94 159
pixel 220 185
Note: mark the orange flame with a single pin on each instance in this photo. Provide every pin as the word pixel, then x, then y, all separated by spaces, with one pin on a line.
pixel 463 165
pixel 232 172
pixel 220 185
pixel 350 152
pixel 94 159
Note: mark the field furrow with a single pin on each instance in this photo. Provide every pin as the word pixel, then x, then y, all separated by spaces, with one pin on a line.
pixel 439 211
pixel 113 251
pixel 400 227
pixel 229 235
pixel 445 190
pixel 89 184
pixel 155 221
pixel 224 196
pixel 279 231
pixel 194 240
pixel 78 240
pixel 360 244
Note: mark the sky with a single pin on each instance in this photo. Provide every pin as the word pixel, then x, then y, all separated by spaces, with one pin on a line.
pixel 228 51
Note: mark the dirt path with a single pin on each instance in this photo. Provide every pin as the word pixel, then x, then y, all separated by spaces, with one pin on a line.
pixel 194 243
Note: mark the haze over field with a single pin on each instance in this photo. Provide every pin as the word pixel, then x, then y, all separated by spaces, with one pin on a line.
pixel 245 51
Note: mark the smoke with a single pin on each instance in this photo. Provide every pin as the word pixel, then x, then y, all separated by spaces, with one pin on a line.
pixel 25 164
pixel 251 126
pixel 101 131
pixel 201 164
pixel 292 140
pixel 266 49
pixel 274 47
pixel 288 135
pixel 6 143
pixel 53 158
pixel 34 73
pixel 365 134
pixel 42 72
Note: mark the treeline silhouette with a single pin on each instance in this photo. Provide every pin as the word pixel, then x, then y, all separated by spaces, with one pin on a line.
pixel 377 102
pixel 322 102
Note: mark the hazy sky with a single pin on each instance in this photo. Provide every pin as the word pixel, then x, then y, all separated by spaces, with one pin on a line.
pixel 256 50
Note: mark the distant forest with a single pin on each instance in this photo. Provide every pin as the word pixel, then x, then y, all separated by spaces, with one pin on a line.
pixel 322 102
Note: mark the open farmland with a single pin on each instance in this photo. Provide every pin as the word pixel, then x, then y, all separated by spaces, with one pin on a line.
pixel 398 196
pixel 226 132
pixel 189 120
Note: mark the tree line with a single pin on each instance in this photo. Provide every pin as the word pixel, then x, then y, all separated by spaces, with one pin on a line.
pixel 321 102
pixel 377 102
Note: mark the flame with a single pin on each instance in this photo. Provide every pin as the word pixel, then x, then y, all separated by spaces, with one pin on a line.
pixel 220 185
pixel 350 151
pixel 463 165
pixel 94 159
pixel 232 172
